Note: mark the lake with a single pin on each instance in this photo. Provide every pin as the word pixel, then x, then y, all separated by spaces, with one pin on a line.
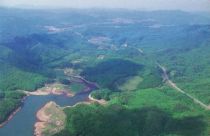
pixel 22 124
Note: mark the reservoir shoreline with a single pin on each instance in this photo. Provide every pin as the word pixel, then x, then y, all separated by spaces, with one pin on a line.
pixel 14 112
pixel 34 101
pixel 35 93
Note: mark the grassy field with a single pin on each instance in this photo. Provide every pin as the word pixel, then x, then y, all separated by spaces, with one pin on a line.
pixel 130 83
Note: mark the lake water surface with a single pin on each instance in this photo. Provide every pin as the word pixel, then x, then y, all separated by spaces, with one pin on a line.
pixel 22 124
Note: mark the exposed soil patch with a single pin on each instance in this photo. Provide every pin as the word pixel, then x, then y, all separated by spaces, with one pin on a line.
pixel 51 120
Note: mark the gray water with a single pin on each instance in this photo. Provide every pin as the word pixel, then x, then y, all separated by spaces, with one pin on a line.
pixel 22 124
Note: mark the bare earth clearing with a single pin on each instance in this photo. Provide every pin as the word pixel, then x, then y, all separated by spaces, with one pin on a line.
pixel 51 120
pixel 102 101
pixel 55 88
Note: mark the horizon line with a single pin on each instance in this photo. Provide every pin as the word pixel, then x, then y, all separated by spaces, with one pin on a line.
pixel 97 8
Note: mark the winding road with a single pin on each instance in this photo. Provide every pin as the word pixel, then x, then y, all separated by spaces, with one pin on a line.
pixel 167 80
pixel 173 85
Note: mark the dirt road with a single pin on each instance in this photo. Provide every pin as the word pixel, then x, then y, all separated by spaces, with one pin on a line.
pixel 173 85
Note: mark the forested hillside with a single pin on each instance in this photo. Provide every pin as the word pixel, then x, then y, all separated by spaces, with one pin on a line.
pixel 120 51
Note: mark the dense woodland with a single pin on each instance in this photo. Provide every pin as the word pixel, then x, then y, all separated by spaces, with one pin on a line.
pixel 116 120
pixel 8 102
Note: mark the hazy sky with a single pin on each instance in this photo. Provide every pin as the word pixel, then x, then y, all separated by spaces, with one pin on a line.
pixel 189 5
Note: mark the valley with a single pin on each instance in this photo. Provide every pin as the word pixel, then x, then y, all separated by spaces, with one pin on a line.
pixel 142 73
